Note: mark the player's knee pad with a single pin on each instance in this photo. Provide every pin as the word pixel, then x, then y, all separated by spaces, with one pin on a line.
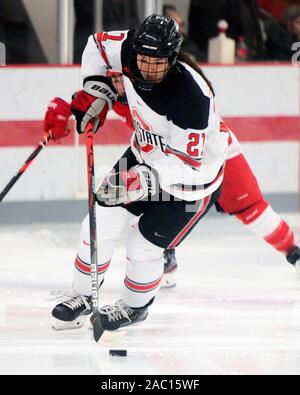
pixel 140 249
pixel 111 222
pixel 253 212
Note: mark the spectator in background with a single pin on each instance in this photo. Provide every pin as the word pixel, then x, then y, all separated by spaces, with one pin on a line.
pixel 292 21
pixel 117 15
pixel 120 14
pixel 84 26
pixel 279 38
pixel 188 45
pixel 171 11
pixel 242 17
pixel 18 35
pixel 276 8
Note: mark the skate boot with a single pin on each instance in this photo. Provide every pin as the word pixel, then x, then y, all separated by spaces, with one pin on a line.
pixel 293 257
pixel 72 313
pixel 116 316
pixel 170 269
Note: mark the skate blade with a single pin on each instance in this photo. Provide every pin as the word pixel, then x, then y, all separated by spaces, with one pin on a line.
pixel 111 338
pixel 168 281
pixel 58 325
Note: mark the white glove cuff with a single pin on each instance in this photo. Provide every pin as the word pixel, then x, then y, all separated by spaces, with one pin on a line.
pixel 101 88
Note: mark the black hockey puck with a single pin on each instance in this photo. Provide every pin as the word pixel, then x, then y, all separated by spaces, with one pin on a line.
pixel 118 353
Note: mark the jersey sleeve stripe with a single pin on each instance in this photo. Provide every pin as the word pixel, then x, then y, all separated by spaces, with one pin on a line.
pixel 185 158
pixel 99 37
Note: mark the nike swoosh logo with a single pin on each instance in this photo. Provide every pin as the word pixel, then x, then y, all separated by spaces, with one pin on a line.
pixel 158 235
pixel 87 244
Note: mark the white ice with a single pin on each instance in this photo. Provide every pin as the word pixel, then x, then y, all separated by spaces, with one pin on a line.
pixel 236 309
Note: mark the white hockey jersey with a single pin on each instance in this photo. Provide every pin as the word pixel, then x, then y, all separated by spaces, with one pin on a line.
pixel 177 125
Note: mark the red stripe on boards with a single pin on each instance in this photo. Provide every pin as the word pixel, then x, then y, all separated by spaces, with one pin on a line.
pixel 29 133
pixel 281 128
pixel 252 129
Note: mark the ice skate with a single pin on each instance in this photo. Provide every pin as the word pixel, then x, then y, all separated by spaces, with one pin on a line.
pixel 170 269
pixel 119 315
pixel 72 313
pixel 293 257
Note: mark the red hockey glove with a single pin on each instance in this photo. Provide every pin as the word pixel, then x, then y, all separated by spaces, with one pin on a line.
pixel 56 119
pixel 127 186
pixel 93 102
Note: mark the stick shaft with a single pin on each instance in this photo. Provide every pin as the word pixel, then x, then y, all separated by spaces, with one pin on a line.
pixel 27 163
pixel 95 319
pixel 92 218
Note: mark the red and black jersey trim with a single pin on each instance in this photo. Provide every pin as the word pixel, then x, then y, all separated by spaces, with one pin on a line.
pixel 99 37
pixel 85 268
pixel 203 206
pixel 195 163
pixel 141 287
pixel 223 128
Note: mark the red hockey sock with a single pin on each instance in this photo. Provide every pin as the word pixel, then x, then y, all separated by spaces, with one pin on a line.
pixel 283 238
pixel 262 220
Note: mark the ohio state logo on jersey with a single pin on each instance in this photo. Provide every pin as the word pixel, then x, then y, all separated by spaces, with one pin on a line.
pixel 147 140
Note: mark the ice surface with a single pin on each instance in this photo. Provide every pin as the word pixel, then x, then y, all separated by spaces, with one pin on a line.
pixel 236 309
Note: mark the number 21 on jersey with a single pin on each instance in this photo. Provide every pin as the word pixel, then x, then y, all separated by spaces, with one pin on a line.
pixel 196 144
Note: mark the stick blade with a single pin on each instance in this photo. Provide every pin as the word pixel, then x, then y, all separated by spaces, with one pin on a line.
pixel 97 327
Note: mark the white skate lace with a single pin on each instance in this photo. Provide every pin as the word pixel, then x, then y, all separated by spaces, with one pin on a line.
pixel 77 301
pixel 117 311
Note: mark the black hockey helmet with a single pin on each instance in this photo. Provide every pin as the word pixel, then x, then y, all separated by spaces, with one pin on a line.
pixel 158 36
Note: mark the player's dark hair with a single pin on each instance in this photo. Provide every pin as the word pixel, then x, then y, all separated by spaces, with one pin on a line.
pixel 186 58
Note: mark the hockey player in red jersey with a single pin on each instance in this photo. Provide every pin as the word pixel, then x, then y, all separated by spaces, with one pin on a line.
pixel 167 180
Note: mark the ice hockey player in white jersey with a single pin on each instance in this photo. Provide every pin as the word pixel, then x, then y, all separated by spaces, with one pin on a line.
pixel 241 197
pixel 168 179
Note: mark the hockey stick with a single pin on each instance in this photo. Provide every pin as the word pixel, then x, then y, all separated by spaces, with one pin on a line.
pixel 95 320
pixel 28 162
